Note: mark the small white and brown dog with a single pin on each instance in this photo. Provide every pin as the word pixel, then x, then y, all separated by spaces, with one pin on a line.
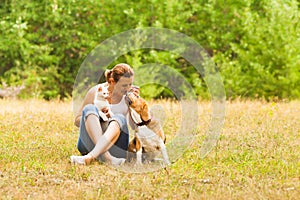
pixel 101 102
pixel 149 135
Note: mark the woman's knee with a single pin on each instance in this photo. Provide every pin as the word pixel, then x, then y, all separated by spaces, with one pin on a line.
pixel 89 109
pixel 122 122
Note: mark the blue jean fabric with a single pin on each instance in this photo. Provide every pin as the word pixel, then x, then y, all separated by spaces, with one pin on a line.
pixel 85 143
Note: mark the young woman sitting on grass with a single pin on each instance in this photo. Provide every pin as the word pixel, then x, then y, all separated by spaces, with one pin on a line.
pixel 106 140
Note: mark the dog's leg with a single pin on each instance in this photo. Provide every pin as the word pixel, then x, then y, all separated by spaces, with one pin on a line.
pixel 164 152
pixel 139 156
pixel 139 151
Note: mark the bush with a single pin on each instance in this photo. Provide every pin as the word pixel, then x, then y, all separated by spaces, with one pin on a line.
pixel 264 62
pixel 255 44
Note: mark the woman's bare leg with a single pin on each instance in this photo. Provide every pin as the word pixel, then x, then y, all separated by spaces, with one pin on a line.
pixel 105 142
pixel 93 128
pixel 102 142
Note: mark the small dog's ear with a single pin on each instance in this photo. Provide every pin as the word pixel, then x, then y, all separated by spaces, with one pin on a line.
pixel 100 89
pixel 145 112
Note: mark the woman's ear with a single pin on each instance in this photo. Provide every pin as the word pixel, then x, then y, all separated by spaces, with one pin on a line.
pixel 111 84
pixel 111 81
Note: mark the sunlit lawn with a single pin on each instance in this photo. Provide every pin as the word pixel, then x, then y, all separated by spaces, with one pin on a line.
pixel 257 157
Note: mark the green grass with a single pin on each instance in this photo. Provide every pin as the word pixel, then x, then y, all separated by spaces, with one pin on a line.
pixel 257 156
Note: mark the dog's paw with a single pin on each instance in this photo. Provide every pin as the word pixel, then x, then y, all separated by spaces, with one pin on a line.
pixel 138 164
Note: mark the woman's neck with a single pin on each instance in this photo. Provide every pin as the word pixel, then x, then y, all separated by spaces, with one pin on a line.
pixel 115 99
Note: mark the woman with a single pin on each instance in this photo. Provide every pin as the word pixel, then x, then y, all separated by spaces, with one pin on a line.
pixel 107 141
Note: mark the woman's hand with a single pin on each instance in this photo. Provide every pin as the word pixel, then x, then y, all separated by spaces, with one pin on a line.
pixel 135 90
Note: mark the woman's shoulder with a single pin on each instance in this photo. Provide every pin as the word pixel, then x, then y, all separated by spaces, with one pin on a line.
pixel 93 88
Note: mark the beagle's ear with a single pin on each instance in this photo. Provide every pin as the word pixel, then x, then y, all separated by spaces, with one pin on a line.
pixel 145 112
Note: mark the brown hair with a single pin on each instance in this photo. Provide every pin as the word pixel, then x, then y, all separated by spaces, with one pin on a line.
pixel 120 70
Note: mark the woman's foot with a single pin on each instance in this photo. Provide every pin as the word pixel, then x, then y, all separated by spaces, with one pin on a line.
pixel 113 160
pixel 82 160
pixel 117 161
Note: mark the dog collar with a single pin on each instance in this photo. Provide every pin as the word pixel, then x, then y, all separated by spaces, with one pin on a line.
pixel 143 123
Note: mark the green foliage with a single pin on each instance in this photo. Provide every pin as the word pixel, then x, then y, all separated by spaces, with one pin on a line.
pixel 265 60
pixel 255 44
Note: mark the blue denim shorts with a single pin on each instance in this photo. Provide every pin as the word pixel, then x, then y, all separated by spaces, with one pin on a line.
pixel 85 143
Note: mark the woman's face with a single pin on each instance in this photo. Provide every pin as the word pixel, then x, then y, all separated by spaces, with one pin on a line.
pixel 122 86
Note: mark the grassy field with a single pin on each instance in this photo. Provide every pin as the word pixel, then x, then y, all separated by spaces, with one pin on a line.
pixel 257 156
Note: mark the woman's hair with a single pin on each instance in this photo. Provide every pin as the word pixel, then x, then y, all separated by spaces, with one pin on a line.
pixel 120 70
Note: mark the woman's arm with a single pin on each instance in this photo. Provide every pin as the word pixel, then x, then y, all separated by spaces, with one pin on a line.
pixel 89 99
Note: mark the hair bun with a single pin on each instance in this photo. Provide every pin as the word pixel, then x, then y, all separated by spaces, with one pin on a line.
pixel 108 73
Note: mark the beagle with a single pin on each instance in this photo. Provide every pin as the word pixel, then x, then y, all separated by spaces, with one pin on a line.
pixel 149 135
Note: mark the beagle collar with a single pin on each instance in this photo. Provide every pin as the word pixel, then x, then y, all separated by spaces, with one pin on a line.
pixel 143 123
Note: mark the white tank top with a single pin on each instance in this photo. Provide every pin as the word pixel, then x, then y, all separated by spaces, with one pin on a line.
pixel 120 108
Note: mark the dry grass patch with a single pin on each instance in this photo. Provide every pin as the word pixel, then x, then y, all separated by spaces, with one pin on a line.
pixel 257 156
